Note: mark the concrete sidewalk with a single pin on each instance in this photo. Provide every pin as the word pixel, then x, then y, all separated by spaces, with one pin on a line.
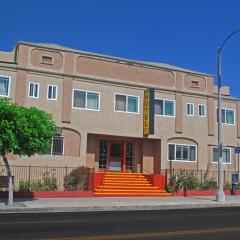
pixel 114 204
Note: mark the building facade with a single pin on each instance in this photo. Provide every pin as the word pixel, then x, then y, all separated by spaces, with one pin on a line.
pixel 97 102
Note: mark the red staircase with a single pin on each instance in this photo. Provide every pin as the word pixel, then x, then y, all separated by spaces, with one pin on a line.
pixel 127 184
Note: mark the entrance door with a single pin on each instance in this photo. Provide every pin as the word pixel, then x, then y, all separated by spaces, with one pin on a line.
pixel 116 153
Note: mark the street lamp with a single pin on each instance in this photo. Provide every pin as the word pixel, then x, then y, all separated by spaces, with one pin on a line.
pixel 220 197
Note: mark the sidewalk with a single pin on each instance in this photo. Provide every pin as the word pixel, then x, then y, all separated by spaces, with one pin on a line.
pixel 114 204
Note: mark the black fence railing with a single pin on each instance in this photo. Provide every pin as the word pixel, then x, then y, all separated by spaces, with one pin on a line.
pixel 180 179
pixel 40 178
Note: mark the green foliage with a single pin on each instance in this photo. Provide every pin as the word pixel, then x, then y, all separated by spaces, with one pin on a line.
pixel 77 179
pixel 47 183
pixel 24 131
pixel 208 182
pixel 186 180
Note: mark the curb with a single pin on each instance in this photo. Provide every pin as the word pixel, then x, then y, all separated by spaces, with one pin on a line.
pixel 114 208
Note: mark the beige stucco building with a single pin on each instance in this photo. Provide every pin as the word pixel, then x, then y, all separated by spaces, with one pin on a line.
pixel 97 103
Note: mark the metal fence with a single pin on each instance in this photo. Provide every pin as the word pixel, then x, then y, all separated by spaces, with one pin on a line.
pixel 196 179
pixel 46 178
pixel 40 178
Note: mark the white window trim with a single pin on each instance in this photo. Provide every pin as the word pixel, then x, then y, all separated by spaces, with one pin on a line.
pixel 175 153
pixel 52 99
pixel 234 119
pixel 63 146
pixel 190 115
pixel 9 85
pixel 82 90
pixel 37 91
pixel 127 95
pixel 174 107
pixel 222 162
pixel 204 110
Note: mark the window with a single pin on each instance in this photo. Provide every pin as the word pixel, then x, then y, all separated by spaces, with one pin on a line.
pixel 47 60
pixel 126 103
pixel 190 109
pixel 228 116
pixel 33 91
pixel 226 155
pixel 202 110
pixel 52 92
pixel 179 152
pixel 57 145
pixel 86 100
pixel 103 154
pixel 164 107
pixel 4 86
pixel 195 84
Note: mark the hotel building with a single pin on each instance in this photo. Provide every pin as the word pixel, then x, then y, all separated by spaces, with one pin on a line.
pixel 97 102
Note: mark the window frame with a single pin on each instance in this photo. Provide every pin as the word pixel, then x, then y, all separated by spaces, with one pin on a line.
pixel 127 95
pixel 230 152
pixel 234 117
pixel 205 114
pixel 36 83
pixel 9 84
pixel 86 91
pixel 52 85
pixel 46 62
pixel 178 144
pixel 174 107
pixel 191 115
pixel 63 146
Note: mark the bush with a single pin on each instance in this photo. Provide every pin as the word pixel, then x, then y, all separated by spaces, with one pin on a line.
pixel 186 180
pixel 208 183
pixel 77 179
pixel 47 183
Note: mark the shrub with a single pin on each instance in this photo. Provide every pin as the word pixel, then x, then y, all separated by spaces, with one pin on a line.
pixel 208 183
pixel 77 179
pixel 47 183
pixel 186 180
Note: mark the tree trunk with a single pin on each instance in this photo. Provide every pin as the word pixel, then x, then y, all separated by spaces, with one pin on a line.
pixel 10 182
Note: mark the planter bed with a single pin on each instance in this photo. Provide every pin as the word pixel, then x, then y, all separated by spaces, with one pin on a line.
pixel 50 194
pixel 211 192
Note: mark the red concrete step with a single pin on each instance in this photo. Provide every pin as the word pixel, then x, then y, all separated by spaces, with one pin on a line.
pixel 114 184
pixel 126 179
pixel 99 194
pixel 128 190
pixel 128 187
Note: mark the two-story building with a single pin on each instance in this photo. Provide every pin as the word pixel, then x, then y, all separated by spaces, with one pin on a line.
pixel 97 103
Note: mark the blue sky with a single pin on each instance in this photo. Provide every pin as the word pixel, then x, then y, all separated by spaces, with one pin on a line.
pixel 185 33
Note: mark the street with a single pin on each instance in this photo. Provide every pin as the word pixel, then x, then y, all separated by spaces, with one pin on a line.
pixel 215 223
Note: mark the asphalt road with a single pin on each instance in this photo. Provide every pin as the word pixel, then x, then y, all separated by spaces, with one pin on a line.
pixel 215 223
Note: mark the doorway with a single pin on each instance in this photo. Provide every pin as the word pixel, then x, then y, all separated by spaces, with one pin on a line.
pixel 115 156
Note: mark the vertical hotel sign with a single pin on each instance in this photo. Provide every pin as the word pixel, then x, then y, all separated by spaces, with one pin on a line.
pixel 148 112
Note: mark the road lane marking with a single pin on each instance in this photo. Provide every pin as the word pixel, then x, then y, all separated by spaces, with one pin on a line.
pixel 154 234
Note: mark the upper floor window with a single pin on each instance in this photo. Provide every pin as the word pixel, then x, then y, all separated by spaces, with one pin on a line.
pixel 52 92
pixel 226 155
pixel 181 152
pixel 47 60
pixel 202 110
pixel 126 103
pixel 164 107
pixel 228 116
pixel 33 90
pixel 57 145
pixel 195 83
pixel 86 100
pixel 4 86
pixel 190 109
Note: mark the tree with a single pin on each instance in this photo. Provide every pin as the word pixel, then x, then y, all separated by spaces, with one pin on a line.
pixel 24 132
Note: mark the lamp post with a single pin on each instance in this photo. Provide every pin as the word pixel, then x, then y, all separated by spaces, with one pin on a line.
pixel 220 197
